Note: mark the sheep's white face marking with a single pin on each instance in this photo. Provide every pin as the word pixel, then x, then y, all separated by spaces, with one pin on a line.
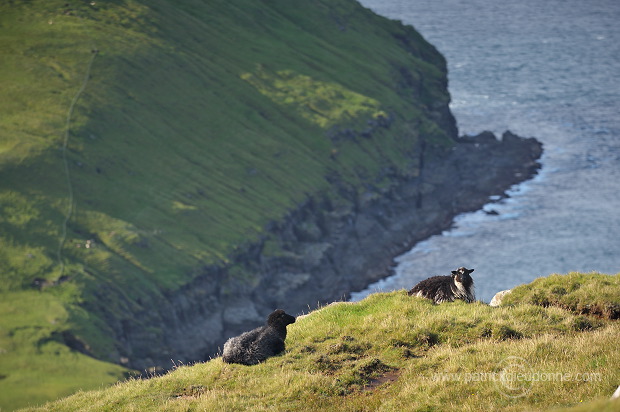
pixel 462 292
pixel 460 287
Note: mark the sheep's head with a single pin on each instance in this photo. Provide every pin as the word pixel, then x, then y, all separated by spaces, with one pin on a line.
pixel 461 275
pixel 280 318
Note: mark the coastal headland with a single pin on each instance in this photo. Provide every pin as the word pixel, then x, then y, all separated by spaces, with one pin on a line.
pixel 173 172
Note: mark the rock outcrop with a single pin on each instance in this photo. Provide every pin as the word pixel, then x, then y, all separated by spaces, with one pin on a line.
pixel 498 297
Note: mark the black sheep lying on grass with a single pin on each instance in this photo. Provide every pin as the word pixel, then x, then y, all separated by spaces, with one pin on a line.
pixel 447 288
pixel 255 346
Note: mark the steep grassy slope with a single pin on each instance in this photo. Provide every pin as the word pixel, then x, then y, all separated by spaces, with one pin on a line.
pixel 198 123
pixel 141 141
pixel 393 352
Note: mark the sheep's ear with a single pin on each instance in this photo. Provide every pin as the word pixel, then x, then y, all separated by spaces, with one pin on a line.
pixel 470 270
pixel 454 273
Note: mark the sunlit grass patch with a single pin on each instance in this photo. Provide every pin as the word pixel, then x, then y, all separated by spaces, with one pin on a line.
pixel 323 103
pixel 34 373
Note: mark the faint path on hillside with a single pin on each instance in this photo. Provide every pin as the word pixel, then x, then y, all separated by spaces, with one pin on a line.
pixel 63 237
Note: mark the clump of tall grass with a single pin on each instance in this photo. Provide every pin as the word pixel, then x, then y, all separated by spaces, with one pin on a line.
pixel 582 293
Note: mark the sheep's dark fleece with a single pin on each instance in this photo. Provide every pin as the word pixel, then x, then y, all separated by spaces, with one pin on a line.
pixel 447 288
pixel 255 346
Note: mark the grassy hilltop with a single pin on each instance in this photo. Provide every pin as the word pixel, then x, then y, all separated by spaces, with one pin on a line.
pixel 543 349
pixel 143 140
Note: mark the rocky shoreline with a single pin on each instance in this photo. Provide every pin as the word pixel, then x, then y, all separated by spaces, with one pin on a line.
pixel 327 252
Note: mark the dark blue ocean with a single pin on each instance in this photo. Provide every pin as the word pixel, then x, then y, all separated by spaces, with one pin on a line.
pixel 546 69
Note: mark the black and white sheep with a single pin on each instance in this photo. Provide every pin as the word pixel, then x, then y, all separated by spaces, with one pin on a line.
pixel 440 289
pixel 257 345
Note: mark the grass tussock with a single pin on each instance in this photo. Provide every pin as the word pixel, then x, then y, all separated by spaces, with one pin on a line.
pixel 394 352
pixel 581 293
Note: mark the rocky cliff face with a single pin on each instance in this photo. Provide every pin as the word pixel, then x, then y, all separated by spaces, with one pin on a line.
pixel 326 251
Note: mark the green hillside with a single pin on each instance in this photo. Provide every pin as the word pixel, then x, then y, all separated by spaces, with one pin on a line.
pixel 393 352
pixel 198 123
pixel 141 141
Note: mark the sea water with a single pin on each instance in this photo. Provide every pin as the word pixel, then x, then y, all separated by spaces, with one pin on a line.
pixel 546 69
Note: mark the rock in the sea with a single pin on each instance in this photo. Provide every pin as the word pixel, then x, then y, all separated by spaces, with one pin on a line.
pixel 499 296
